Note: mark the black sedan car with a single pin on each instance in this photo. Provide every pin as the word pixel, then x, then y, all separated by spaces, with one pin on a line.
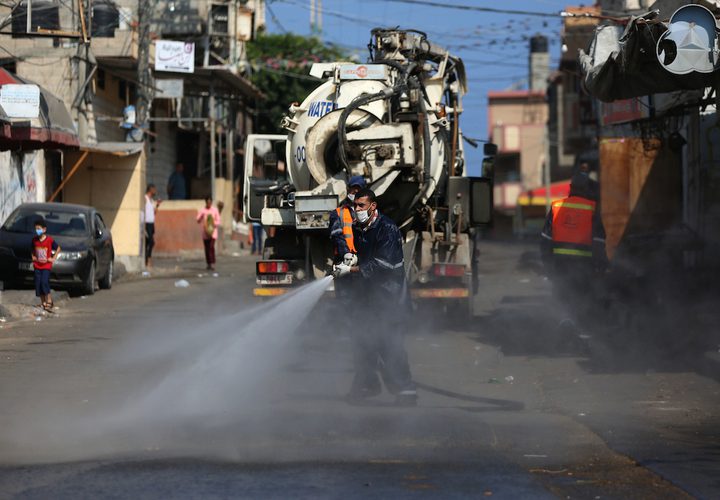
pixel 87 250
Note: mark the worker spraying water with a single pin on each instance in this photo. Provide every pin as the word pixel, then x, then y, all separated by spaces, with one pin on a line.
pixel 379 291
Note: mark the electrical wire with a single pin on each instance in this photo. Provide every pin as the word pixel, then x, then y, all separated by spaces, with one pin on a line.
pixel 22 59
pixel 495 10
pixel 275 19
pixel 350 17
pixel 286 73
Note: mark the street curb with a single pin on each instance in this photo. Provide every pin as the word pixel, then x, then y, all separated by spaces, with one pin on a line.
pixel 24 303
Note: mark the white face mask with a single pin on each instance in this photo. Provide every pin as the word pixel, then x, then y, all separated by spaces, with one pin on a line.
pixel 362 216
pixel 351 197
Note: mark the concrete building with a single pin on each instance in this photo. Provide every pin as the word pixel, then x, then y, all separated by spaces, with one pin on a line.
pixel 572 120
pixel 199 118
pixel 517 120
pixel 31 148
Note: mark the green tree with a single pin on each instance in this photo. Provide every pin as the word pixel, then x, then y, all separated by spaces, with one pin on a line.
pixel 281 65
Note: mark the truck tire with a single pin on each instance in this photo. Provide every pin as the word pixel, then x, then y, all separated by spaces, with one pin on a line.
pixel 457 312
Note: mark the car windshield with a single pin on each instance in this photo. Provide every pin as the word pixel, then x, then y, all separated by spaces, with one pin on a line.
pixel 59 222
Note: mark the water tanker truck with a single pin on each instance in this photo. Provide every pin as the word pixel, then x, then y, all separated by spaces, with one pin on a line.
pixel 396 122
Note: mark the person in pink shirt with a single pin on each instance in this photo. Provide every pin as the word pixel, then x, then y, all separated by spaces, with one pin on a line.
pixel 209 220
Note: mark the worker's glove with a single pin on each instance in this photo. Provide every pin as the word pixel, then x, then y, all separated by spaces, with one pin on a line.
pixel 350 259
pixel 340 270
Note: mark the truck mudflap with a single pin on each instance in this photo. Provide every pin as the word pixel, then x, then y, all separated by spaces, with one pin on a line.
pixel 439 293
pixel 276 291
pixel 271 291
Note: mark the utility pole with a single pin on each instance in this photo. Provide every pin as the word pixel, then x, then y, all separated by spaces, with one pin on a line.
pixel 312 16
pixel 319 22
pixel 316 21
pixel 86 70
pixel 145 93
pixel 211 110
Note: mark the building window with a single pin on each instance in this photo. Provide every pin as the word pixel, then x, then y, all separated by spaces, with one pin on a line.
pixel 122 90
pixel 100 80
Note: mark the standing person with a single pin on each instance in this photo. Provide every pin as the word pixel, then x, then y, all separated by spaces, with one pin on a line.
pixel 381 295
pixel 593 185
pixel 209 219
pixel 257 238
pixel 341 235
pixel 573 245
pixel 341 223
pixel 176 189
pixel 151 208
pixel 45 251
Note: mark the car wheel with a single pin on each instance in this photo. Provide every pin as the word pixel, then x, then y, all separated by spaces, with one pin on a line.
pixel 106 282
pixel 88 286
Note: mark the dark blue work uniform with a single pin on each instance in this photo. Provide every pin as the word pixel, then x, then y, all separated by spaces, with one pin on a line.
pixel 382 298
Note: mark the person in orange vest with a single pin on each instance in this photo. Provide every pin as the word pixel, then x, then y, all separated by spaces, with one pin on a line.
pixel 573 241
pixel 341 221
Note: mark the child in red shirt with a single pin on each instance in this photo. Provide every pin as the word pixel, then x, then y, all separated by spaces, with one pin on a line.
pixel 44 252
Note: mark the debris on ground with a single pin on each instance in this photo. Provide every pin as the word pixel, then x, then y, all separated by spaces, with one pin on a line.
pixel 182 284
pixel 509 379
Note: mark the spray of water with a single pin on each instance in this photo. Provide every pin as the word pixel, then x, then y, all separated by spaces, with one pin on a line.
pixel 204 376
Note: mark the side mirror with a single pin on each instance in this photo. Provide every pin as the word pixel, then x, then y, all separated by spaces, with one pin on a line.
pixel 490 150
pixel 481 201
pixel 488 168
pixel 98 234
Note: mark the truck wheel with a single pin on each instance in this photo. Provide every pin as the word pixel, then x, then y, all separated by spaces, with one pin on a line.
pixel 457 311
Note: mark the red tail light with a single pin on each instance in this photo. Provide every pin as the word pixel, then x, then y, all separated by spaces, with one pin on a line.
pixel 272 267
pixel 449 270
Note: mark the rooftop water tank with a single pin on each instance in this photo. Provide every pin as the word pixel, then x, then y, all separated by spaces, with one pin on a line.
pixel 105 19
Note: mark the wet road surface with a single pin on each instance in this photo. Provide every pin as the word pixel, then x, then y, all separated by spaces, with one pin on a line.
pixel 512 405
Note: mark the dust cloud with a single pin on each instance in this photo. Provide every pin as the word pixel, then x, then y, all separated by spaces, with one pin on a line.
pixel 187 378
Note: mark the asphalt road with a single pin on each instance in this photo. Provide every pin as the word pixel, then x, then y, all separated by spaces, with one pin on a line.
pixel 154 391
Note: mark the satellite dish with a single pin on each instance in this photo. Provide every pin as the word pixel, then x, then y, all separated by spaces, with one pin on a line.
pixel 690 42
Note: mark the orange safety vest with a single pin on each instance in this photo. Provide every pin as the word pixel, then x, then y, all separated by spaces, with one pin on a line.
pixel 347 222
pixel 572 223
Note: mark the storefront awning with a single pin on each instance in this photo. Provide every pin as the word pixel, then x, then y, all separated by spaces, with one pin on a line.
pixel 53 128
pixel 538 197
pixel 113 148
pixel 224 81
